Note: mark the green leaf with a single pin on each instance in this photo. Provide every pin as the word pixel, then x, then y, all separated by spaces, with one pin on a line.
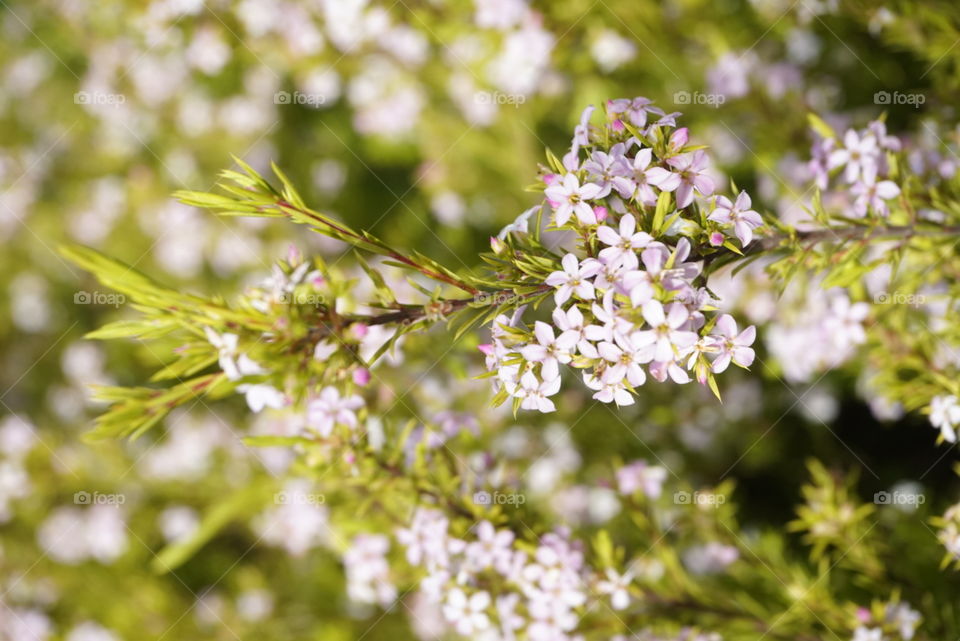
pixel 663 205
pixel 236 507
pixel 821 127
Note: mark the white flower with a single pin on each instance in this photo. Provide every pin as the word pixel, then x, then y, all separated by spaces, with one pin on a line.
pixel 520 225
pixel 549 350
pixel 617 586
pixel 367 570
pixel 234 365
pixel 625 360
pixel 622 245
pixel 492 548
pixel 738 214
pixel 574 279
pixel 904 617
pixel 863 633
pixel 665 333
pixel 261 396
pixel 570 323
pixel 534 392
pixel 733 346
pixel 608 392
pixel 467 614
pixel 569 197
pixel 945 416
pixel 330 409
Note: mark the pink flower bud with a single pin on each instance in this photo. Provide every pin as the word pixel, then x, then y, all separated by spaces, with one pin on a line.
pixel 863 615
pixel 716 239
pixel 550 179
pixel 360 330
pixel 486 348
pixel 497 245
pixel 294 257
pixel 617 125
pixel 601 213
pixel 361 376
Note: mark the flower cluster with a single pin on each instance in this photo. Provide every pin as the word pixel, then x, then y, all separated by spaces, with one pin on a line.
pixel 539 593
pixel 896 620
pixel 823 332
pixel 368 573
pixel 630 300
pixel 862 157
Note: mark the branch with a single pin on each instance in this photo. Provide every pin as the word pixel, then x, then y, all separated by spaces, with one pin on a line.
pixel 853 232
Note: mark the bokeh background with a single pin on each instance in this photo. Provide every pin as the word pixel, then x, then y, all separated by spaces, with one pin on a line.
pixel 422 121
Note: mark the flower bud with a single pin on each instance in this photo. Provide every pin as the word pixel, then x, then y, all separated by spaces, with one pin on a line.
pixel 361 376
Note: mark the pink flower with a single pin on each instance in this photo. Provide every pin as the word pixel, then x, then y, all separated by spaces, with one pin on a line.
pixel 692 169
pixel 573 279
pixel 623 245
pixel 738 214
pixel 732 345
pixel 569 198
pixel 640 476
pixel 603 167
pixel 361 376
pixel 635 111
pixel 857 155
pixel 872 194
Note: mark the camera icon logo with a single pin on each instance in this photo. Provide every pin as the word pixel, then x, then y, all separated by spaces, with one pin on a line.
pixel 882 98
pixel 682 498
pixel 882 498
pixel 282 98
pixel 482 498
pixel 681 97
pixel 81 298
pixel 81 498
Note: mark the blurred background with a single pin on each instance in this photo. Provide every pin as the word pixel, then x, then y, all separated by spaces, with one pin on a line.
pixel 423 121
